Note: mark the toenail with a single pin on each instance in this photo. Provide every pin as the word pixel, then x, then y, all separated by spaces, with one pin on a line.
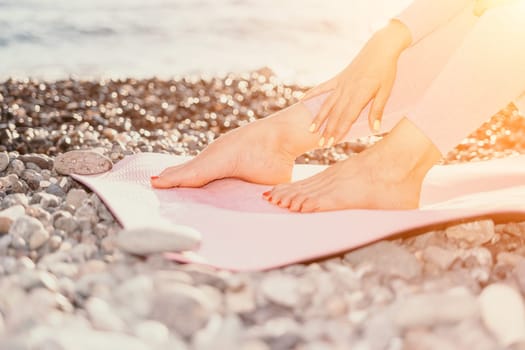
pixel 154 177
pixel 267 193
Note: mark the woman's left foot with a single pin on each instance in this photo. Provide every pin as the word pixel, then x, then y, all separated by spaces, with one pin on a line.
pixel 355 183
pixel 387 176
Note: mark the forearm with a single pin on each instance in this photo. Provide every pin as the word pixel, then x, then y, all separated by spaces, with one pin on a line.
pixel 424 16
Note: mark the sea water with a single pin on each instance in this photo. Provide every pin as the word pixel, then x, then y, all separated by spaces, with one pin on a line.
pixel 304 41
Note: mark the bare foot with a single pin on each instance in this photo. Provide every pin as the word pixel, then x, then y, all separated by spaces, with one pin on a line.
pixel 386 176
pixel 262 152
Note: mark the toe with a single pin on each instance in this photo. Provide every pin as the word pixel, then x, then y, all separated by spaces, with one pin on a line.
pixel 185 176
pixel 297 202
pixel 310 205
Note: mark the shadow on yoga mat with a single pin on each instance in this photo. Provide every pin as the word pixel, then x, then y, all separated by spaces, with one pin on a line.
pixel 241 231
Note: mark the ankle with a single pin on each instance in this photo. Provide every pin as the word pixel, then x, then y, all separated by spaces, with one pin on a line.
pixel 291 128
pixel 406 152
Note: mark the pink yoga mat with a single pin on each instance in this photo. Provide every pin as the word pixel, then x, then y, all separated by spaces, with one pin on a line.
pixel 241 231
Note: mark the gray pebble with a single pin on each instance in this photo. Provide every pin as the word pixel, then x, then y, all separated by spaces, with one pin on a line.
pixel 281 289
pixel 66 223
pixel 9 215
pixel 32 178
pixel 43 161
pixel 38 238
pixel 103 317
pixel 4 161
pixel 82 163
pixel 192 305
pixel 503 313
pixel 144 241
pixel 56 190
pixel 428 310
pixel 25 226
pixel 75 197
pixel 388 258
pixel 15 199
pixel 16 167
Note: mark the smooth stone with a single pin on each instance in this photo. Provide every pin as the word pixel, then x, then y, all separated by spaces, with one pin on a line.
pixel 519 272
pixel 47 200
pixel 503 313
pixel 474 233
pixel 281 289
pixel 56 190
pixel 16 166
pixel 4 161
pixel 15 199
pixel 140 289
pixel 144 241
pixel 86 212
pixel 151 332
pixel 193 308
pixel 442 258
pixel 427 310
pixel 32 178
pixel 102 316
pixel 82 163
pixel 9 215
pixel 423 339
pixel 43 161
pixel 75 197
pixel 387 258
pixel 66 223
pixel 82 338
pixel 38 238
pixel 25 226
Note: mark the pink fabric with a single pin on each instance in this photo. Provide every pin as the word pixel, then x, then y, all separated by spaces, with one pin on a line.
pixel 241 231
pixel 424 16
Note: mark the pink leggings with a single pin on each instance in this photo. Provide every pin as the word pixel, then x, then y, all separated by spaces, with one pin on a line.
pixel 456 78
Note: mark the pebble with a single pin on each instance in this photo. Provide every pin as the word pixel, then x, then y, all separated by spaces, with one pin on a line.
pixel 75 197
pixel 43 161
pixel 442 258
pixel 473 233
pixel 82 163
pixel 9 215
pixel 503 313
pixel 144 241
pixel 387 258
pixel 26 226
pixel 281 289
pixel 432 309
pixel 4 161
pixel 38 238
pixel 103 317
pixel 192 305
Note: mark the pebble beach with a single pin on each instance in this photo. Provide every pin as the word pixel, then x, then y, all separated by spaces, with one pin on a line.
pixel 66 284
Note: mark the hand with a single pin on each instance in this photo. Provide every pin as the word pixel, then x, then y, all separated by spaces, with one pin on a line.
pixel 370 76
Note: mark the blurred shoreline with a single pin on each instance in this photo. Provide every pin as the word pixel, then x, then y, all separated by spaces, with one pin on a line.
pixel 302 41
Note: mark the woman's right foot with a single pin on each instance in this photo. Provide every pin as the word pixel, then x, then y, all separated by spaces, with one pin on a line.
pixel 262 152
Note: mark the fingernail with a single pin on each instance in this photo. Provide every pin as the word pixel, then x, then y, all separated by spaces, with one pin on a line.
pixel 377 125
pixel 154 177
pixel 312 127
pixel 267 193
pixel 330 142
pixel 321 142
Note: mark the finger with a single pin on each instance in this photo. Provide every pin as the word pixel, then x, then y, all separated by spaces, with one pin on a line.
pixel 375 116
pixel 325 111
pixel 320 89
pixel 346 114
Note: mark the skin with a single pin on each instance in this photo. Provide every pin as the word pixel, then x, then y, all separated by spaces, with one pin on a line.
pixel 369 77
pixel 388 175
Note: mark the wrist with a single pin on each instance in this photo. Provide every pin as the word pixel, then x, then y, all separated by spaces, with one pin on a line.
pixel 395 35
